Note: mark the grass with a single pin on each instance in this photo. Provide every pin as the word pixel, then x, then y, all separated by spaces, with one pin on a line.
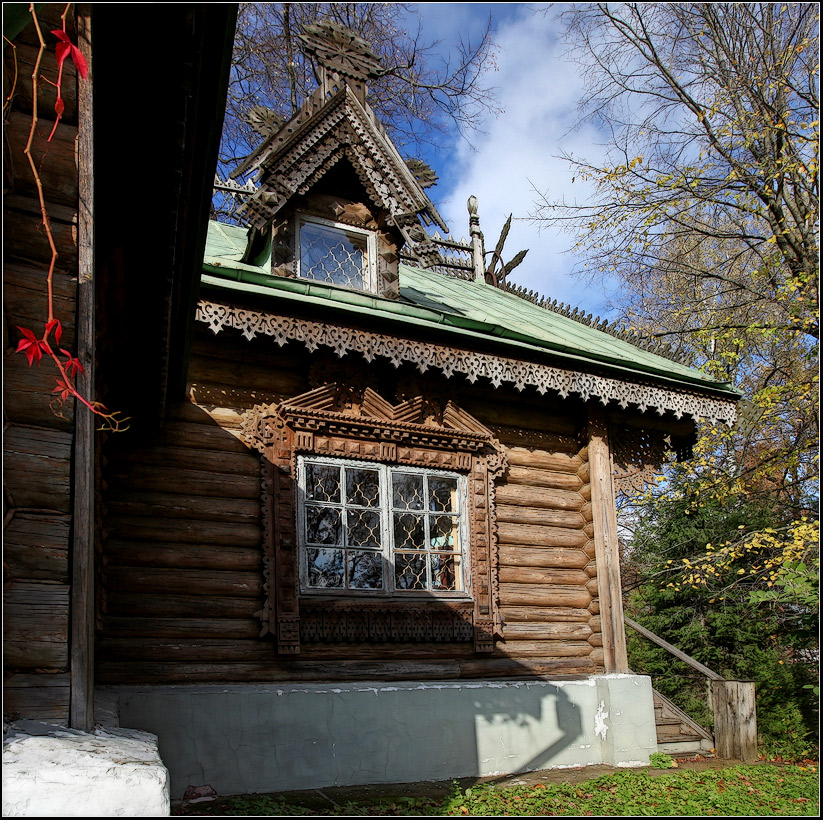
pixel 759 790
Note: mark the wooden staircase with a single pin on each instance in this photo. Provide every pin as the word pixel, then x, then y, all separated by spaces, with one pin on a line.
pixel 677 734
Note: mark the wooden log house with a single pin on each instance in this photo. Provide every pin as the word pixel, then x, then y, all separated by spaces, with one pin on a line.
pixel 365 462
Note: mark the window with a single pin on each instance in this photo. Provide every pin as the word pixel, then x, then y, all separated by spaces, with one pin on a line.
pixel 336 254
pixel 371 528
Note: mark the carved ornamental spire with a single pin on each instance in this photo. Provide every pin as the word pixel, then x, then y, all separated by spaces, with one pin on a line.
pixel 341 56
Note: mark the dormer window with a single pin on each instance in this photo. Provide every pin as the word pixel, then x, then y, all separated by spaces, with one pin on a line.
pixel 336 254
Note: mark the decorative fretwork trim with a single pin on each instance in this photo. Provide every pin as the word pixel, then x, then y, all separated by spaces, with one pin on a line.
pixel 472 364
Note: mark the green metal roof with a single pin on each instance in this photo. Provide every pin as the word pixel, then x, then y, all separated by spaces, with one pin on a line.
pixel 463 309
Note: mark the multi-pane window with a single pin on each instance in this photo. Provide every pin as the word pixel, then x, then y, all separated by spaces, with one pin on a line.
pixel 381 529
pixel 336 254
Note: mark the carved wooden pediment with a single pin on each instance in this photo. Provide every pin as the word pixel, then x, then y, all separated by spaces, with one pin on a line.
pixel 333 421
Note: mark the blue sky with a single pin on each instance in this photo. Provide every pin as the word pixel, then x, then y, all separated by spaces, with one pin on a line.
pixel 538 88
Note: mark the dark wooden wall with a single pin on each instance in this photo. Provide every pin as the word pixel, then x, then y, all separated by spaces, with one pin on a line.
pixel 181 574
pixel 37 455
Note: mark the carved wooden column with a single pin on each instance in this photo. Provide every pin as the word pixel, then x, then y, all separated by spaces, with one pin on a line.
pixel 607 554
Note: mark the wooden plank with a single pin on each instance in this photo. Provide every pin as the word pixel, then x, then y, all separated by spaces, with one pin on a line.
pixel 35 547
pixel 159 650
pixel 543 575
pixel 531 667
pixel 183 531
pixel 543 595
pixel 28 392
pixel 735 719
pixel 540 517
pixel 534 535
pixel 42 697
pixel 183 556
pixel 199 437
pixel 245 376
pixel 192 581
pixel 186 458
pixel 547 498
pixel 522 556
pixel 37 467
pixel 535 477
pixel 544 649
pixel 24 241
pixel 236 628
pixel 606 543
pixel 26 54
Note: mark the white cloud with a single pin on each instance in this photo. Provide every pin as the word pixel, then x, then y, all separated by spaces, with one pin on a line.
pixel 518 153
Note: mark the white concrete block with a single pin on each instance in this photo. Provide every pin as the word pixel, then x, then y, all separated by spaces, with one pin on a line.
pixel 51 771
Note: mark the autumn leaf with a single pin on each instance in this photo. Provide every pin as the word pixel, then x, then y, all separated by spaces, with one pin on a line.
pixel 31 346
pixel 63 389
pixel 66 47
pixel 73 365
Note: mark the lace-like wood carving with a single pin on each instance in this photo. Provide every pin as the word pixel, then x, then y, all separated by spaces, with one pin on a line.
pixel 473 365
pixel 326 422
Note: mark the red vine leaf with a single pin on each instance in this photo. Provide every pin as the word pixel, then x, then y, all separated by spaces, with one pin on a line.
pixel 63 389
pixel 73 365
pixel 58 329
pixel 66 47
pixel 31 346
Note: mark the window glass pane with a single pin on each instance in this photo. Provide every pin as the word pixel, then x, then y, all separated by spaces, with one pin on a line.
pixel 443 533
pixel 409 532
pixel 407 491
pixel 410 571
pixel 322 483
pixel 325 568
pixel 333 255
pixel 363 528
pixel 323 525
pixel 442 494
pixel 362 487
pixel 445 571
pixel 365 570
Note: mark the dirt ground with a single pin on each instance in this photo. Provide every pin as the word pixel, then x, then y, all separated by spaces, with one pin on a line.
pixel 340 795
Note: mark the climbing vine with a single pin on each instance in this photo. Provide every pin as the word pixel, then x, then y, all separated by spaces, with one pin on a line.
pixel 46 346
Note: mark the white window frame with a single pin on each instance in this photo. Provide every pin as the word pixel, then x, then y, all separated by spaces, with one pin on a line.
pixel 370 272
pixel 386 531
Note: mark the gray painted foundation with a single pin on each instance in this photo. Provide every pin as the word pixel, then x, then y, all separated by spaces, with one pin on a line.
pixel 266 738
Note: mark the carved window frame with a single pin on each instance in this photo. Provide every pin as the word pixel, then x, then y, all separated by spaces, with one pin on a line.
pixel 372 430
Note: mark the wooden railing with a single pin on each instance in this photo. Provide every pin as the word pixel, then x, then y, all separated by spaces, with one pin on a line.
pixel 732 702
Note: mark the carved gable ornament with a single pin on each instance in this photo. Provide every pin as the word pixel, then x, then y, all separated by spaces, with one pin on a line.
pixel 336 422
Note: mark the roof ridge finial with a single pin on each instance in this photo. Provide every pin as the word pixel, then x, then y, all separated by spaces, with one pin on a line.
pixel 478 251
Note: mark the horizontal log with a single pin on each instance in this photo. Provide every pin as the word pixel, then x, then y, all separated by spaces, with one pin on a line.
pixel 597 656
pixel 28 392
pixel 591 569
pixel 35 547
pixel 159 650
pixel 25 299
pixel 183 531
pixel 24 241
pixel 492 408
pixel 596 639
pixel 543 575
pixel 58 171
pixel 584 472
pixel 35 626
pixel 541 668
pixel 544 649
pixel 522 556
pixel 587 512
pixel 43 697
pixel 386 651
pixel 37 468
pixel 185 581
pixel 199 437
pixel 589 549
pixel 26 58
pixel 239 628
pixel 150 478
pixel 532 535
pixel 197 508
pixel 547 631
pixel 557 462
pixel 540 614
pixel 246 376
pixel 540 517
pixel 522 495
pixel 594 606
pixel 535 477
pixel 293 357
pixel 186 458
pixel 595 624
pixel 586 492
pixel 543 595
pixel 183 556
pixel 175 605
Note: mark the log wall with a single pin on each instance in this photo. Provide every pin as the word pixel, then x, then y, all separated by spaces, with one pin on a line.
pixel 37 476
pixel 182 560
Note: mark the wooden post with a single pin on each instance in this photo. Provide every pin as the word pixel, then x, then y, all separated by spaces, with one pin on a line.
pixel 607 556
pixel 478 250
pixel 81 710
pixel 735 719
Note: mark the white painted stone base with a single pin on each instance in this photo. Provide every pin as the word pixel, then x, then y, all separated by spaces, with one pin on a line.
pixel 241 739
pixel 51 771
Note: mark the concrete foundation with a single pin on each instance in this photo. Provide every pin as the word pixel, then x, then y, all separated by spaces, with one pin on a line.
pixel 266 738
pixel 51 771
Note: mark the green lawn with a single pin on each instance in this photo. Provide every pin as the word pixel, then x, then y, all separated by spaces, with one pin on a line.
pixel 759 790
